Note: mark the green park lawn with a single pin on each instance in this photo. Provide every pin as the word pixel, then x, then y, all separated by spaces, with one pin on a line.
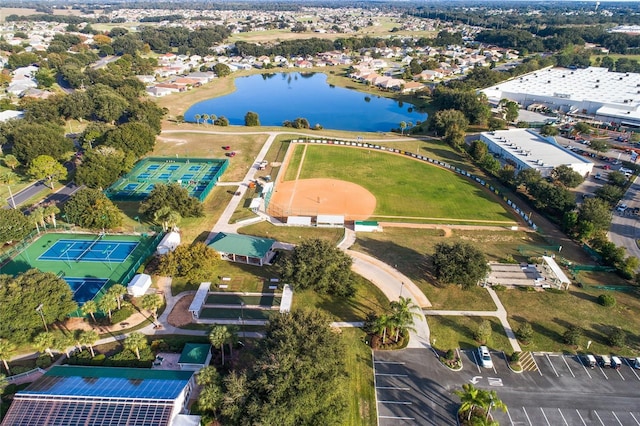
pixel 361 391
pixel 290 234
pixel 551 314
pixel 457 332
pixel 403 187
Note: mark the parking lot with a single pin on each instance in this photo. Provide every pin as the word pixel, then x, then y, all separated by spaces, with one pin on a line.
pixel 414 388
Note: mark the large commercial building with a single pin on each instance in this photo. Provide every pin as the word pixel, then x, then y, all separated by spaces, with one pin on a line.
pixel 106 396
pixel 594 93
pixel 527 149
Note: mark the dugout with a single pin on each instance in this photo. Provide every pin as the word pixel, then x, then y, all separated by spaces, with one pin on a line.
pixel 366 226
pixel 299 221
pixel 139 285
pixel 330 221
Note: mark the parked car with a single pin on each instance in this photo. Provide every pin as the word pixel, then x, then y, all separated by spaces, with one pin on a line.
pixel 635 363
pixel 604 361
pixel 590 361
pixel 621 208
pixel 616 362
pixel 485 357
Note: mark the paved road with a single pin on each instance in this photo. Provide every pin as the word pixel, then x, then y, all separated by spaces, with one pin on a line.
pixel 625 228
pixel 26 194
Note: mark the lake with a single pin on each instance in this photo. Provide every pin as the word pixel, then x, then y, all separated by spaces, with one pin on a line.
pixel 278 97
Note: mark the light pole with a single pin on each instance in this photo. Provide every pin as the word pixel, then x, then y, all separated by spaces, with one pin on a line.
pixel 401 288
pixel 39 310
pixel 242 317
pixel 107 252
pixel 13 200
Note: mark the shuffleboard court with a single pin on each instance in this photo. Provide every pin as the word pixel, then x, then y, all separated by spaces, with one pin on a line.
pixel 85 289
pixel 236 299
pixel 89 250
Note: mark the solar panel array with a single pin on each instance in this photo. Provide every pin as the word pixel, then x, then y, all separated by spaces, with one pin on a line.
pixel 29 410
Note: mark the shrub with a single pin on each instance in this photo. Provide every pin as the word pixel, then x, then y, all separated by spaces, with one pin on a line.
pixel 515 357
pixel 19 369
pixel 498 287
pixel 617 337
pixel 44 361
pixel 572 336
pixel 525 333
pixel 607 300
pixel 450 354
pixel 123 314
pixel 98 359
pixel 483 334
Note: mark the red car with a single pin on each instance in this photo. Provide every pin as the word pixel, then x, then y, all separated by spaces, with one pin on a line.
pixel 226 147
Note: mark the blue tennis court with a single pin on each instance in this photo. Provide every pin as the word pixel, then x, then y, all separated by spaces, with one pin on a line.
pixel 174 167
pixel 89 250
pixel 85 289
pixel 153 167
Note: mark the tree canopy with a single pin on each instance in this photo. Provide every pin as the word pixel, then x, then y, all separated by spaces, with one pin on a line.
pixel 459 263
pixel 101 167
pixel 33 139
pixel 173 196
pixel 567 176
pixel 135 137
pixel 21 295
pixel 196 262
pixel 46 167
pixel 14 225
pixel 91 209
pixel 318 265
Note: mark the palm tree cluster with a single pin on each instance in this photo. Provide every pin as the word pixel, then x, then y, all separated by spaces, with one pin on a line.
pixel 476 405
pixel 399 319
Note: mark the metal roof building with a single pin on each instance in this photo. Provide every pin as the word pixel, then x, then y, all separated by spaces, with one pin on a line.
pixel 526 149
pixel 243 248
pixel 106 396
pixel 593 92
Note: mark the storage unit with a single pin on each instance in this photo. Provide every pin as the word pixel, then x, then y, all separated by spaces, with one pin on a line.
pixel 139 285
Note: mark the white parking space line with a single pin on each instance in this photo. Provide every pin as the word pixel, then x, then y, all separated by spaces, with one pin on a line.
pixel 580 415
pixel 567 364
pixel 614 415
pixel 620 374
pixel 476 361
pixel 585 369
pixel 596 413
pixel 632 369
pixel 389 362
pixel 396 402
pixel 393 388
pixel 528 419
pixel 537 366
pixel 545 416
pixel 603 373
pixel 562 415
pixel 554 368
pixel 397 418
pixel 391 375
pixel 634 417
pixel 510 419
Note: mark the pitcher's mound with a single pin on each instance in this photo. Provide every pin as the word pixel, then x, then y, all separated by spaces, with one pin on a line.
pixel 311 197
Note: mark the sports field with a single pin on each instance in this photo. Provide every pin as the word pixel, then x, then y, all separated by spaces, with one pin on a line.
pixel 198 175
pixel 88 262
pixel 404 189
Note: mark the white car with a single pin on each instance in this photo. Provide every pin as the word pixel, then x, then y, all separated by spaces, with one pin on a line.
pixel 485 357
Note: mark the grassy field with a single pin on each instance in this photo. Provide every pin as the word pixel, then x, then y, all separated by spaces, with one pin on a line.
pixel 361 392
pixel 368 298
pixel 409 249
pixel 292 235
pixel 404 188
pixel 551 314
pixel 457 332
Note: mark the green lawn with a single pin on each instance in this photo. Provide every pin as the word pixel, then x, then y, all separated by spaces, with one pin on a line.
pixel 405 187
pixel 359 364
pixel 550 315
pixel 457 332
pixel 368 298
pixel 409 249
pixel 291 234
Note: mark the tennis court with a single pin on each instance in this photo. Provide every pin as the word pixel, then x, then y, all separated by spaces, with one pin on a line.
pixel 90 263
pixel 198 175
pixel 85 289
pixel 89 250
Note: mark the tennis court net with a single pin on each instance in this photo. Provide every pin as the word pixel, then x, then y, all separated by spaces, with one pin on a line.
pixel 88 249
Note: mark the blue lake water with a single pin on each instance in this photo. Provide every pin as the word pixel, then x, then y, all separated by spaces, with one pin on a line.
pixel 286 96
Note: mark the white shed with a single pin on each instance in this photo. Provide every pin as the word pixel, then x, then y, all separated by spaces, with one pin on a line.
pixel 139 285
pixel 330 221
pixel 169 243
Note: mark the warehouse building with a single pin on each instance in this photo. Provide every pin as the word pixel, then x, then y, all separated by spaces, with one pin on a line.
pixel 591 93
pixel 527 149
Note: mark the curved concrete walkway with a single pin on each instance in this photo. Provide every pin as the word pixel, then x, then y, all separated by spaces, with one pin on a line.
pixel 500 313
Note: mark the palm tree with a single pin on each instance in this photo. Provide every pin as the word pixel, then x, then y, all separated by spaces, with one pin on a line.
pixel 213 118
pixel 38 217
pixel 43 342
pixel 117 291
pixel 380 326
pixel 50 212
pixel 233 338
pixel 205 118
pixel 11 161
pixel 7 349
pixel 63 342
pixel 197 117
pixel 472 397
pixel 496 403
pixel 134 342
pixel 107 304
pixel 403 312
pixel 208 376
pixel 218 336
pixel 90 308
pixel 168 216
pixel 210 398
pixel 179 119
pixel 88 338
pixel 151 302
pixel 403 125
